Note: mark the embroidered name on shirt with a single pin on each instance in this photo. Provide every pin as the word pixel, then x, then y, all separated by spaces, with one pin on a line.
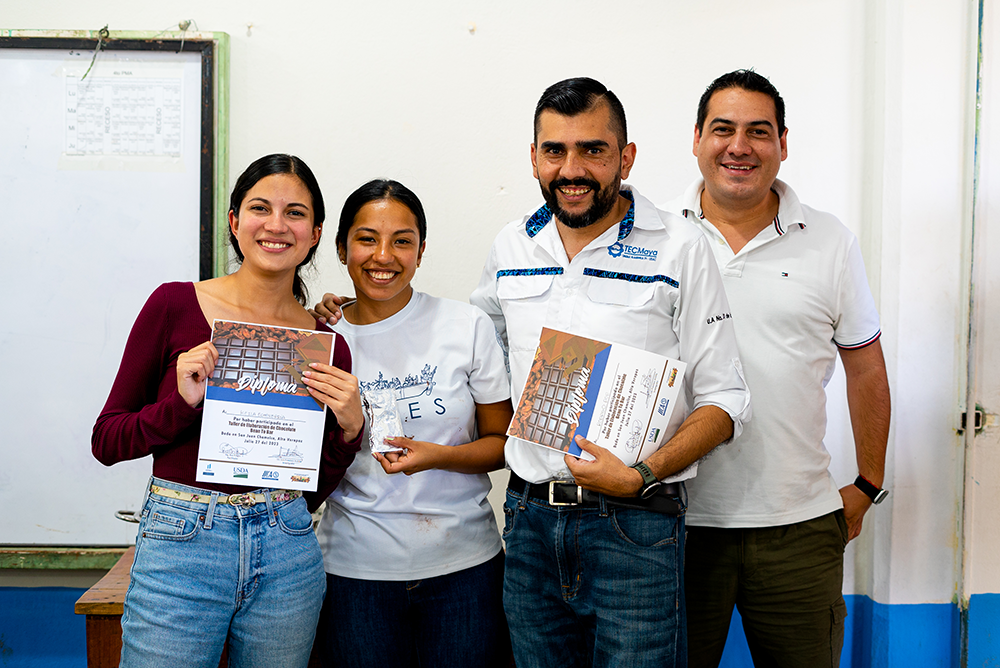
pixel 717 318
pixel 618 249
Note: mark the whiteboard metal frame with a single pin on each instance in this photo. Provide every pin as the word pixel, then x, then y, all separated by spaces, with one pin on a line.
pixel 214 144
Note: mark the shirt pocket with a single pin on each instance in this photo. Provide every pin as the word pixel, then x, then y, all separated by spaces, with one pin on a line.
pixel 621 307
pixel 523 286
pixel 524 301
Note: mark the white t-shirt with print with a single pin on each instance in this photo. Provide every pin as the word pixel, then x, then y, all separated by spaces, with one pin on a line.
pixel 443 357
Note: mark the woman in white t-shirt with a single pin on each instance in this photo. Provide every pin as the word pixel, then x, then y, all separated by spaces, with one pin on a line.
pixel 414 562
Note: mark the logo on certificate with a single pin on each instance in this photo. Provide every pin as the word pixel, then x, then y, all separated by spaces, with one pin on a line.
pixel 240 472
pixel 300 478
pixel 269 475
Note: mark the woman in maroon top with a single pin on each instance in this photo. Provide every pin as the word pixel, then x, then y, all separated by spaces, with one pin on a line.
pixel 217 564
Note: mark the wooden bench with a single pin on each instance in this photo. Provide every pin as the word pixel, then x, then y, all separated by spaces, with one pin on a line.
pixel 104 603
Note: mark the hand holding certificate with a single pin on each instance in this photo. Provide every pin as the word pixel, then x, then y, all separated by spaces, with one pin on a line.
pixel 616 396
pixel 261 426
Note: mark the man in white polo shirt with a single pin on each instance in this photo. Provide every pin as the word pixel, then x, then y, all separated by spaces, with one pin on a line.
pixel 595 550
pixel 767 525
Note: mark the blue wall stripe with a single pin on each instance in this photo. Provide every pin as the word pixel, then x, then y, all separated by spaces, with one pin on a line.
pixel 877 635
pixel 984 631
pixel 38 628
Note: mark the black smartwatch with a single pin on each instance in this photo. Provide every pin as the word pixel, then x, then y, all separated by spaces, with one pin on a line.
pixel 650 483
pixel 874 493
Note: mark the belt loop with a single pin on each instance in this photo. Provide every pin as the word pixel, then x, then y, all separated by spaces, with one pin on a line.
pixel 145 496
pixel 602 505
pixel 211 510
pixel 272 517
pixel 525 488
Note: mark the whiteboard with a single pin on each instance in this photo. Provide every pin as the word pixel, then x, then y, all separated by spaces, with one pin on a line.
pixel 98 211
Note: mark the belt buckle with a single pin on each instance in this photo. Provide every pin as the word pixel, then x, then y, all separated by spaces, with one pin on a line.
pixel 552 500
pixel 245 500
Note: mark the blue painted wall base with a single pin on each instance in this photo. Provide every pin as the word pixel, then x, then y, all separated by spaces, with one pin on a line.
pixel 984 631
pixel 38 628
pixel 881 635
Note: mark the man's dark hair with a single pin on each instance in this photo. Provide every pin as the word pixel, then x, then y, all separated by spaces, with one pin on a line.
pixel 747 80
pixel 575 96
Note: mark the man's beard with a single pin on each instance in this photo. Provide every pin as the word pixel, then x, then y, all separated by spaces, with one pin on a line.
pixel 604 201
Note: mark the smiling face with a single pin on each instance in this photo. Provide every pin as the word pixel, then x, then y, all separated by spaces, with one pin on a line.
pixel 382 253
pixel 739 149
pixel 275 227
pixel 579 165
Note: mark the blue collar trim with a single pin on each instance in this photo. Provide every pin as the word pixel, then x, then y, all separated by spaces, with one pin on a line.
pixel 542 217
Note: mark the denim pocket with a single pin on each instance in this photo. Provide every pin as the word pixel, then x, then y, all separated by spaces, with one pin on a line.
pixel 168 523
pixel 508 515
pixel 294 518
pixel 644 528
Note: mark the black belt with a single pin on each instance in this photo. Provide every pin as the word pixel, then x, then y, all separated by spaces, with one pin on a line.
pixel 559 493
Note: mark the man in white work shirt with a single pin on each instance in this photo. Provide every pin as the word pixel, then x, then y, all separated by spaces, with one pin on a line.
pixel 594 572
pixel 767 525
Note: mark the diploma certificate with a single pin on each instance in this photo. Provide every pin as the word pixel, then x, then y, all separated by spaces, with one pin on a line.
pixel 260 427
pixel 616 396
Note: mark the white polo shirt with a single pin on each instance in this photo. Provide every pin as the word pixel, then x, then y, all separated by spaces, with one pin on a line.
pixel 649 282
pixel 798 291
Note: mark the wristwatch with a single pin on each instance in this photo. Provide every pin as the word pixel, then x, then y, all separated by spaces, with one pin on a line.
pixel 650 483
pixel 876 494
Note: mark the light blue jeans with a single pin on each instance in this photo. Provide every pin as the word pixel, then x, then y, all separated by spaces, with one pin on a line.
pixel 598 586
pixel 209 574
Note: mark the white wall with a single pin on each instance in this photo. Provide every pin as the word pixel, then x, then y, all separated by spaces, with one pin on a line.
pixel 439 95
pixel 982 531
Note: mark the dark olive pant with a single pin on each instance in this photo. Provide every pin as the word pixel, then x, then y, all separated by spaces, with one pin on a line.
pixel 787 583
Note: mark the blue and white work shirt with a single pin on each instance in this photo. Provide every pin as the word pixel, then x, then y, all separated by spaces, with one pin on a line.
pixel 649 282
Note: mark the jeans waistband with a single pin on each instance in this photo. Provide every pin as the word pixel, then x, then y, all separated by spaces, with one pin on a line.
pixel 246 499
pixel 245 505
pixel 561 493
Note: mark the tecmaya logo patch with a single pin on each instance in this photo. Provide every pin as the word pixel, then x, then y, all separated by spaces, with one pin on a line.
pixel 618 249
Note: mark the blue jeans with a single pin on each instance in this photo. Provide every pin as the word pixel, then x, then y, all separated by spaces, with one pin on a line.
pixel 598 586
pixel 208 574
pixel 441 622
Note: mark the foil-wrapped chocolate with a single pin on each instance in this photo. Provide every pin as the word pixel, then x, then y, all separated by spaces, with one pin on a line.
pixel 383 418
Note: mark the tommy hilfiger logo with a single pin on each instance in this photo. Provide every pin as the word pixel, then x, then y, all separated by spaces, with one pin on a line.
pixel 618 249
